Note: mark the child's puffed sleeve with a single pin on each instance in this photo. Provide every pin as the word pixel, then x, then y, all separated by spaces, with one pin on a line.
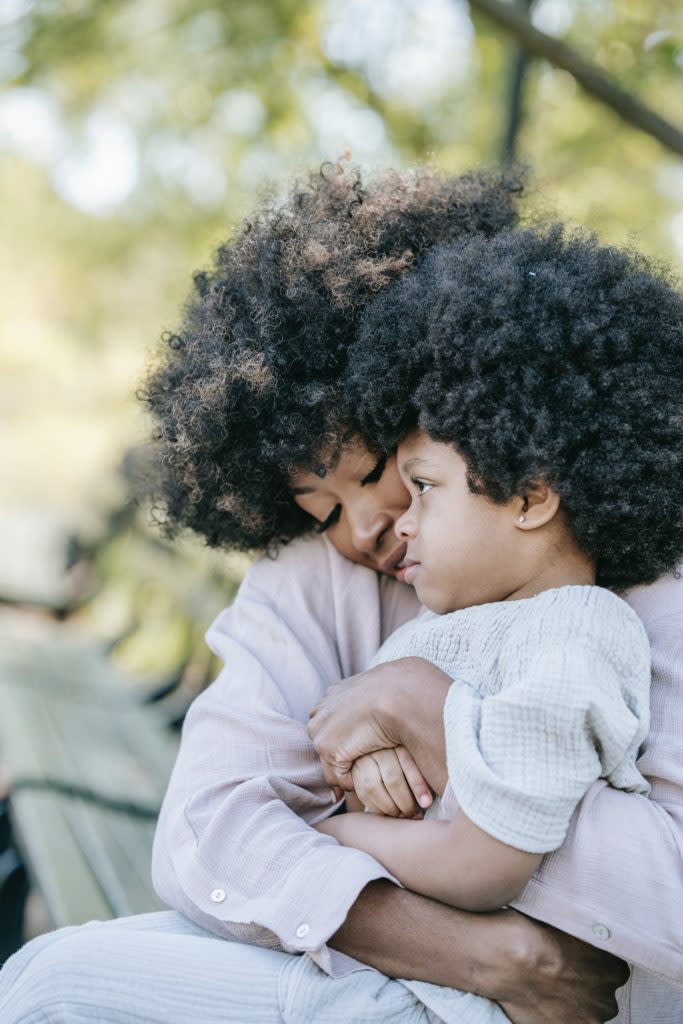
pixel 573 707
pixel 234 850
pixel 617 880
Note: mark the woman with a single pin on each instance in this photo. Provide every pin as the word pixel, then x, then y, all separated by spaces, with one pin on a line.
pixel 241 399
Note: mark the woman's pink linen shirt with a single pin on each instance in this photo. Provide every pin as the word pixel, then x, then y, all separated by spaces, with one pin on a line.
pixel 234 850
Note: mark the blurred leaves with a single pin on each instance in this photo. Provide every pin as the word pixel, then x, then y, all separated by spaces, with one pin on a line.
pixel 133 134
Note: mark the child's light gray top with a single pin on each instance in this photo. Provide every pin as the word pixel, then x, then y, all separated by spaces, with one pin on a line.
pixel 550 694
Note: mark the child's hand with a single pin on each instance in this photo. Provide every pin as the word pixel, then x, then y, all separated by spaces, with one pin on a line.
pixel 389 782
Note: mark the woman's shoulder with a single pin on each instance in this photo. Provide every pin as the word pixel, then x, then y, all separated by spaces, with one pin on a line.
pixel 657 602
pixel 309 566
pixel 308 583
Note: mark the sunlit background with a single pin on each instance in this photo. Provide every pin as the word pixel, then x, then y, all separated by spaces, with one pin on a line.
pixel 133 135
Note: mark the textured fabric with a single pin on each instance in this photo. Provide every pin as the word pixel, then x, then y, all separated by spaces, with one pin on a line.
pixel 163 969
pixel 549 694
pixel 617 880
pixel 311 617
pixel 247 782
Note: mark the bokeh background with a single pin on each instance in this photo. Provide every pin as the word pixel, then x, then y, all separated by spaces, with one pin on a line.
pixel 135 134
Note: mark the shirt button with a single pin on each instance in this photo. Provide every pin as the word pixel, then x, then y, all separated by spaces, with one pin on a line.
pixel 302 931
pixel 601 931
pixel 218 895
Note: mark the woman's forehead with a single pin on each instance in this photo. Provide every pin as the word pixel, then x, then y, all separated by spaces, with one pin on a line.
pixel 352 460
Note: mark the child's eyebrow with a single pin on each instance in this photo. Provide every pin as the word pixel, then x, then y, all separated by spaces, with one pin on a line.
pixel 410 464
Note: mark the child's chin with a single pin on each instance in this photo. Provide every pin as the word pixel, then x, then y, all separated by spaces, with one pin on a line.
pixel 435 602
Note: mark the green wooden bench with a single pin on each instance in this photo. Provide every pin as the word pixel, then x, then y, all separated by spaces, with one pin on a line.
pixel 86 749
pixel 83 766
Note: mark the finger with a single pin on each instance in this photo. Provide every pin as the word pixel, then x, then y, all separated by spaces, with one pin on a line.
pixel 335 778
pixel 395 782
pixel 345 779
pixel 367 780
pixel 414 777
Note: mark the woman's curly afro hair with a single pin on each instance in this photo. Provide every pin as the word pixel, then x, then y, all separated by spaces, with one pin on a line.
pixel 542 354
pixel 247 390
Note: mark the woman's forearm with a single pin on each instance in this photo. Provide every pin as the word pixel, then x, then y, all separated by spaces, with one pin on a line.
pixel 538 975
pixel 405 935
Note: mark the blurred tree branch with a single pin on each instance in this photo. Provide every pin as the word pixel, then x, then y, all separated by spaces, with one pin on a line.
pixel 590 77
pixel 515 108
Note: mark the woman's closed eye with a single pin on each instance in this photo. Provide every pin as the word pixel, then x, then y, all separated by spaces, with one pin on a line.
pixel 375 473
pixel 331 519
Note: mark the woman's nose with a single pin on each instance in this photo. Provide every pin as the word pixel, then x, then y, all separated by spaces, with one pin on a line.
pixel 367 526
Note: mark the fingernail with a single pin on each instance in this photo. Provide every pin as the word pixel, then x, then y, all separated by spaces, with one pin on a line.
pixel 425 800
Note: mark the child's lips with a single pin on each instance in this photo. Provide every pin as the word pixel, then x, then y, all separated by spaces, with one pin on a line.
pixel 407 570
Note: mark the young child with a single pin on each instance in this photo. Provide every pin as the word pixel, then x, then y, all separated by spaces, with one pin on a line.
pixel 539 412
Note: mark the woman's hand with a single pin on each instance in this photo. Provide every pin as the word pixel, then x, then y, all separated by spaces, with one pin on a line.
pixel 350 721
pixel 556 977
pixel 398 703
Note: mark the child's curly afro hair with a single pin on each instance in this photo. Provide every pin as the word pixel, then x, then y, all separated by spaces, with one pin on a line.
pixel 542 354
pixel 247 390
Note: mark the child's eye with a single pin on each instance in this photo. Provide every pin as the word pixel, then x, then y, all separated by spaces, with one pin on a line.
pixel 375 473
pixel 422 487
pixel 331 519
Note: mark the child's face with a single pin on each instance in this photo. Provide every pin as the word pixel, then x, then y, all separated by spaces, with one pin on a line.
pixel 467 549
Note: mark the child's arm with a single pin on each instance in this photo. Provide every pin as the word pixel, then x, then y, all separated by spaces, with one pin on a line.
pixel 451 861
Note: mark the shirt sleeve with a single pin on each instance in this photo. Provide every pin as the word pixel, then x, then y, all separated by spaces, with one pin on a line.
pixel 617 881
pixel 234 849
pixel 520 759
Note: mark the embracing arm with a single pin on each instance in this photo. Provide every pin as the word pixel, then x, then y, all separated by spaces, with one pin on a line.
pixel 616 882
pixel 234 850
pixel 538 975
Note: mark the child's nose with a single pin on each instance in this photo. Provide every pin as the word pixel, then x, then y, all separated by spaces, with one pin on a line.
pixel 405 525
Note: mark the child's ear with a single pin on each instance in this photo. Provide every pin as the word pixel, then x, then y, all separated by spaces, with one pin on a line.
pixel 538 507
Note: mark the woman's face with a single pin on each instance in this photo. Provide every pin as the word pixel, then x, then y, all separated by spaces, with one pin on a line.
pixel 356 504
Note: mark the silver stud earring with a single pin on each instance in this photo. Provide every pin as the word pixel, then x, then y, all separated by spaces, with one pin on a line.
pixel 522 519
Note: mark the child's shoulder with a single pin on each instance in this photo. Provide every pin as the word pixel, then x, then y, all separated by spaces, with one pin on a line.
pixel 582 601
pixel 590 615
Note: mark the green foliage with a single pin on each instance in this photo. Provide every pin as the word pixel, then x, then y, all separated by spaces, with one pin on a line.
pixel 206 103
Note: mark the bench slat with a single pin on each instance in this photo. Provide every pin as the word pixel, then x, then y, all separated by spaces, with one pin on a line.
pixel 122 873
pixel 89 861
pixel 55 861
